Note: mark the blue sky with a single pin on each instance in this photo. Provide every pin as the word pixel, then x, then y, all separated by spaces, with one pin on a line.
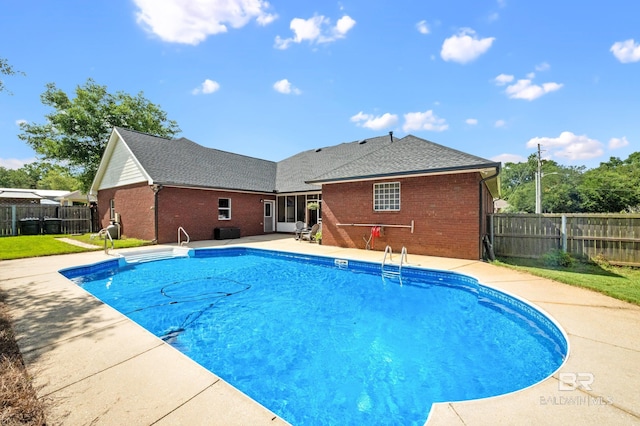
pixel 489 77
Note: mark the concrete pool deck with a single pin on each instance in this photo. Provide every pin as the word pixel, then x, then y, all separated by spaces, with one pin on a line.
pixel 94 366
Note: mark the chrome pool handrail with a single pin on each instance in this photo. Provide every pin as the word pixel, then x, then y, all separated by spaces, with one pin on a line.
pixel 180 243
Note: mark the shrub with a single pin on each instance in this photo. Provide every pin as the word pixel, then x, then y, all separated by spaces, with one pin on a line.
pixel 558 258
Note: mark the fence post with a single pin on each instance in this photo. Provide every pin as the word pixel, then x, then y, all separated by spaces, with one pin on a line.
pixel 14 230
pixel 563 232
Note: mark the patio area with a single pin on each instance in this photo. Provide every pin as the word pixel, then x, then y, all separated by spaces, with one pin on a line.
pixel 94 366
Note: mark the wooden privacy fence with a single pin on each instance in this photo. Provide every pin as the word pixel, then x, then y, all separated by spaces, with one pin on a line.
pixel 72 219
pixel 616 237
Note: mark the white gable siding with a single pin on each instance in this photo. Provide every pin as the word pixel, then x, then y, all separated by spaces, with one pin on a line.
pixel 122 169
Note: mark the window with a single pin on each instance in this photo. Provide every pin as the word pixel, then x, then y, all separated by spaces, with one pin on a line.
pixel 112 209
pixel 292 208
pixel 281 209
pixel 300 211
pixel 224 208
pixel 386 196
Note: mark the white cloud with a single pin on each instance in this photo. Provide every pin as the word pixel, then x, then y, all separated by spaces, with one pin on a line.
pixel 626 51
pixel 544 66
pixel 284 86
pixel 207 87
pixel 423 27
pixel 471 121
pixel 361 116
pixel 192 21
pixel 524 89
pixel 531 75
pixel 317 29
pixel 569 146
pixel 465 46
pixel 21 121
pixel 343 26
pixel 14 163
pixel 615 143
pixel 424 121
pixel 503 79
pixel 375 123
pixel 508 158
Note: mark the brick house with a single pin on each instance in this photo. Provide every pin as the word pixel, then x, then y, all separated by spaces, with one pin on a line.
pixel 431 199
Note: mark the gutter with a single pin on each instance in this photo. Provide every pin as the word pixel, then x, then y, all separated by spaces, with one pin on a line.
pixel 481 201
pixel 156 189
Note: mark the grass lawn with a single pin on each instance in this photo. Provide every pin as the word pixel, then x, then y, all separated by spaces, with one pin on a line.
pixel 46 245
pixel 620 282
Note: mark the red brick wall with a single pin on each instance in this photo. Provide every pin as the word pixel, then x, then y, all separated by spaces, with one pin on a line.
pixel 197 212
pixel 194 209
pixel 135 204
pixel 444 208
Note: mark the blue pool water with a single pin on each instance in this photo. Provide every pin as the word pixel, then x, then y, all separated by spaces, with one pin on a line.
pixel 322 344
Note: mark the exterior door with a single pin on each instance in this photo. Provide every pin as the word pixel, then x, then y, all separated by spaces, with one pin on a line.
pixel 269 217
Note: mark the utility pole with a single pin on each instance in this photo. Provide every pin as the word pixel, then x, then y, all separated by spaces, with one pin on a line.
pixel 539 183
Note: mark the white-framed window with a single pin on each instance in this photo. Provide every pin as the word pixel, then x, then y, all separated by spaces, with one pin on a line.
pixel 386 196
pixel 112 209
pixel 224 208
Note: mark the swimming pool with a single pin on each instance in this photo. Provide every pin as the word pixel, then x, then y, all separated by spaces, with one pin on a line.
pixel 325 341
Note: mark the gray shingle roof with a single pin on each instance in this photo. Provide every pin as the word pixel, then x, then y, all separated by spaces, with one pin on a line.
pixel 294 171
pixel 409 155
pixel 185 163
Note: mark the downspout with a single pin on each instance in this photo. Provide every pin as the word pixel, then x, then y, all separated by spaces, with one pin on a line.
pixel 481 210
pixel 156 188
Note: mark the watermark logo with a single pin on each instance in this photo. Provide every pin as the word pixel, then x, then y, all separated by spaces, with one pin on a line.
pixel 587 401
pixel 573 381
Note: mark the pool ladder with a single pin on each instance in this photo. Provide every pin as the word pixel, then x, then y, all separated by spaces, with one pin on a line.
pixel 180 232
pixel 392 270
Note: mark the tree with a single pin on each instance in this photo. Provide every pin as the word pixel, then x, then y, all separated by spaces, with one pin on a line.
pixel 39 175
pixel 6 69
pixel 614 186
pixel 518 185
pixel 17 178
pixel 560 193
pixel 76 132
pixel 559 186
pixel 59 178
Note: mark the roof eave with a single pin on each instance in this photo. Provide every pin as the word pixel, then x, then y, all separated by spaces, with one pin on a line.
pixel 211 188
pixel 413 173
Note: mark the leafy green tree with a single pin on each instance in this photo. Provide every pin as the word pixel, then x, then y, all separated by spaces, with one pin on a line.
pixel 17 178
pixel 76 132
pixel 612 187
pixel 5 177
pixel 6 69
pixel 518 185
pixel 39 175
pixel 58 177
pixel 559 186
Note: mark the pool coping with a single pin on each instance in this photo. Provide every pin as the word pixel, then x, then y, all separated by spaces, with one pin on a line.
pixel 94 366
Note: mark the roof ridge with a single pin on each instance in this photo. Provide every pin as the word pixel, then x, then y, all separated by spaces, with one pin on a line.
pixel 383 145
pixel 146 134
pixel 196 144
pixel 445 147
pixel 229 152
